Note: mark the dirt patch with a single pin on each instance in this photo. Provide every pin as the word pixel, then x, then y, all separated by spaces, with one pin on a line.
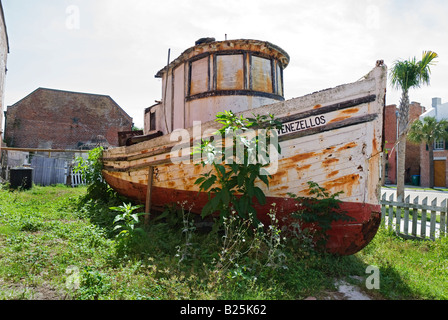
pixel 23 292
pixel 345 291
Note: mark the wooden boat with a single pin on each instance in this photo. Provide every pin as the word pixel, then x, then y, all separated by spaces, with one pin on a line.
pixel 332 137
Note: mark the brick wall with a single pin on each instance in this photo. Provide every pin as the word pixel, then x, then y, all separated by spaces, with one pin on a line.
pixel 63 120
pixel 412 164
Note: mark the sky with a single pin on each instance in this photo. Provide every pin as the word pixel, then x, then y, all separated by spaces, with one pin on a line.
pixel 115 47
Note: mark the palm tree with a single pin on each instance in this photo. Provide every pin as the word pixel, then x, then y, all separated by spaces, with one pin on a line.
pixel 405 75
pixel 429 131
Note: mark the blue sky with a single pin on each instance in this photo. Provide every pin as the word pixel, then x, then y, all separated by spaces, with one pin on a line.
pixel 116 47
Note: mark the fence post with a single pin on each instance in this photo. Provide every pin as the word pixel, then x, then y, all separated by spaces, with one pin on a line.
pixel 443 214
pixel 398 219
pixel 406 216
pixel 414 218
pixel 423 220
pixel 391 211
pixel 383 208
pixel 432 228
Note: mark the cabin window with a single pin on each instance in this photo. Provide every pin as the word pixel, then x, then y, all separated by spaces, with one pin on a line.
pixel 230 72
pixel 261 74
pixel 233 73
pixel 199 76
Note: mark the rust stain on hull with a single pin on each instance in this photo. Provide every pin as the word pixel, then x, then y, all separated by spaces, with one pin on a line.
pixel 301 157
pixel 350 111
pixel 332 174
pixel 348 146
pixel 345 184
pixel 338 119
pixel 328 162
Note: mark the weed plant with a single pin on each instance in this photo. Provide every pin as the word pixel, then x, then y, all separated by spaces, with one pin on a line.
pixel 63 243
pixel 68 256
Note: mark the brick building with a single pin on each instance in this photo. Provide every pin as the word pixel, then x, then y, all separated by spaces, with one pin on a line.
pixel 412 164
pixel 439 111
pixel 56 119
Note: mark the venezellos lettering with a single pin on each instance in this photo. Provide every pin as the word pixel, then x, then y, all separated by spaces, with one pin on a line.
pixel 302 124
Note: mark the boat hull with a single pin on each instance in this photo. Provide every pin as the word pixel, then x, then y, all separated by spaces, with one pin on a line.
pixel 345 238
pixel 332 137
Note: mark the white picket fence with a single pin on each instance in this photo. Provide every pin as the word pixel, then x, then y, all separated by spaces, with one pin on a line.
pixel 76 179
pixel 415 219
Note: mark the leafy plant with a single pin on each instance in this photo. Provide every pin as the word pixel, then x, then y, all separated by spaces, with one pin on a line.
pixel 185 251
pixel 90 170
pixel 126 222
pixel 93 284
pixel 319 211
pixel 237 164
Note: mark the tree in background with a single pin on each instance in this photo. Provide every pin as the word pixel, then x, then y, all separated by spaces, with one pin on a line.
pixel 429 131
pixel 405 75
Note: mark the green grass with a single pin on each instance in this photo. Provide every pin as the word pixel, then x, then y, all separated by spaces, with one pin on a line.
pixel 55 244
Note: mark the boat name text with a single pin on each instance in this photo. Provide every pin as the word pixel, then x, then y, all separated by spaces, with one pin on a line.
pixel 302 124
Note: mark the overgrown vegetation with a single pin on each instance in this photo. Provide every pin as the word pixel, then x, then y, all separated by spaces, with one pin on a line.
pixel 55 244
pixel 318 212
pixel 89 243
pixel 237 164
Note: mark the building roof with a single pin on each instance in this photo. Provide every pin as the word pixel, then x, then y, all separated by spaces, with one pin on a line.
pixel 438 110
pixel 75 93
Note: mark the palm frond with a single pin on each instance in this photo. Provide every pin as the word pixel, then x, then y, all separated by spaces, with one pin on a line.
pixel 407 74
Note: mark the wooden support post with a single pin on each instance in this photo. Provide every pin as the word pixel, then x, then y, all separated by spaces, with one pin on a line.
pixel 148 194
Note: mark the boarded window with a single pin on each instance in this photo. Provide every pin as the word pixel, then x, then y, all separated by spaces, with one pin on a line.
pixel 230 72
pixel 199 76
pixel 261 74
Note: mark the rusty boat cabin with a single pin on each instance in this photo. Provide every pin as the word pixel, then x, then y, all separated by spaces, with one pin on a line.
pixel 332 137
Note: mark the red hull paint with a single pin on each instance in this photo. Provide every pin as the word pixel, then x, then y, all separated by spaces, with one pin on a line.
pixel 345 238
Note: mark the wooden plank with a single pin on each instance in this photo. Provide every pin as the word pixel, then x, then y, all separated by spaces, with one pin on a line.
pixel 432 228
pixel 383 207
pixel 406 216
pixel 391 212
pixel 415 218
pixel 44 150
pixel 398 219
pixel 443 214
pixel 423 221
